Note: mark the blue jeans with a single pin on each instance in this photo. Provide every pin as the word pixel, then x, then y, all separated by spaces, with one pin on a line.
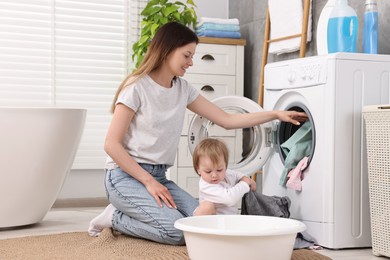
pixel 138 213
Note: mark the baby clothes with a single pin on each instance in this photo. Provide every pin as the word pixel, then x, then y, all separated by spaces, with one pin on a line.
pixel 295 175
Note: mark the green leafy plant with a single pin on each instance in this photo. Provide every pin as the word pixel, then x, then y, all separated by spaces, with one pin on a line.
pixel 157 13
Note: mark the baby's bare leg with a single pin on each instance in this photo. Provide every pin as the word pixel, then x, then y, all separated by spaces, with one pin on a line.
pixel 205 208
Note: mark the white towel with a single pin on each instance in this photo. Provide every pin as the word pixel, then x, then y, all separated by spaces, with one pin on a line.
pixel 202 20
pixel 286 18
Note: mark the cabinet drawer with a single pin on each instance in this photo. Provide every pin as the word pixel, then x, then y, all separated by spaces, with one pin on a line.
pixel 212 86
pixel 214 59
pixel 188 180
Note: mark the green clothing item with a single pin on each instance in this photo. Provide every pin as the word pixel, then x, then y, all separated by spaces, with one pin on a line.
pixel 299 145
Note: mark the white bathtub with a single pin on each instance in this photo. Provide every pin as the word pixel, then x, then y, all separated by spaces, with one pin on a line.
pixel 37 149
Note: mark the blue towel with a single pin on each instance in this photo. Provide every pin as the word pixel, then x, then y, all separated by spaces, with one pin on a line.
pixel 218 27
pixel 295 148
pixel 219 34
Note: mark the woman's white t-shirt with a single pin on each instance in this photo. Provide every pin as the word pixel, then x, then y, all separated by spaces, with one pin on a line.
pixel 154 132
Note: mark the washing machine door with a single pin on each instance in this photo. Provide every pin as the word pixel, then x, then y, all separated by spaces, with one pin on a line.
pixel 249 148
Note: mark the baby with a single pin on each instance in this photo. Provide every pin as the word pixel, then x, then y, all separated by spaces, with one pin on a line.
pixel 220 189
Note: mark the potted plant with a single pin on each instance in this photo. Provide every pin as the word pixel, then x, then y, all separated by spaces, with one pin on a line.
pixel 157 13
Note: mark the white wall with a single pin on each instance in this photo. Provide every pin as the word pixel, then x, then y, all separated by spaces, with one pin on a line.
pixel 89 183
pixel 83 184
pixel 212 8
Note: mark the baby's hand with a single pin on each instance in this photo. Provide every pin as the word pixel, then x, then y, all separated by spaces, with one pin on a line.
pixel 253 185
pixel 250 182
pixel 247 180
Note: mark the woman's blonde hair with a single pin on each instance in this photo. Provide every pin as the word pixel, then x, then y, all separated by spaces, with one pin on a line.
pixel 168 38
pixel 211 148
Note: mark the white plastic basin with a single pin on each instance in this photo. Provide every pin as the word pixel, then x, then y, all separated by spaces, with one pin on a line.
pixel 239 237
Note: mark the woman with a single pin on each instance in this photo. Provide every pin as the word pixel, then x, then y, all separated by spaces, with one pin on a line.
pixel 148 115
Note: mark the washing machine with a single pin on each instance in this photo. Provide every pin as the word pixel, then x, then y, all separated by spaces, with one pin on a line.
pixel 332 90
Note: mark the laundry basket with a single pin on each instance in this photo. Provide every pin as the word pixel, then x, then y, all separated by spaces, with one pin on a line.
pixel 377 124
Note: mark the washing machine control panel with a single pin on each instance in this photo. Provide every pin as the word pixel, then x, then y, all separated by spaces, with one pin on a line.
pixel 295 74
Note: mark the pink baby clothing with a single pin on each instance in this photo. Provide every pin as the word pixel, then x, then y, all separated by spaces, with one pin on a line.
pixel 295 175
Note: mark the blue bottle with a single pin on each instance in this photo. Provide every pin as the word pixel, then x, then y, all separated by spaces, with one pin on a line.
pixel 342 28
pixel 370 32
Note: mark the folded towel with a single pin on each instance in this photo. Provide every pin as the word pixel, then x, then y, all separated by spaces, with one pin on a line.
pixel 202 20
pixel 295 148
pixel 286 19
pixel 218 27
pixel 219 34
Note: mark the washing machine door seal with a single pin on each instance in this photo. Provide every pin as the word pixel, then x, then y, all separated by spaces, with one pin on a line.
pixel 261 135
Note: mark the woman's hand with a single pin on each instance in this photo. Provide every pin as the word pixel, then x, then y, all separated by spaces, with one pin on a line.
pixel 293 117
pixel 160 192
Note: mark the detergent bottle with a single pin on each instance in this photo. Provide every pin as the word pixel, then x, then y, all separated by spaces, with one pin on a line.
pixel 370 32
pixel 322 28
pixel 342 28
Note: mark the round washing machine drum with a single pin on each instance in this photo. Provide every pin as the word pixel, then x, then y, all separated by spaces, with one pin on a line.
pixel 249 148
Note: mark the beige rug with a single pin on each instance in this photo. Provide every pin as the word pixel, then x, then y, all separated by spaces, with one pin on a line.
pixel 109 245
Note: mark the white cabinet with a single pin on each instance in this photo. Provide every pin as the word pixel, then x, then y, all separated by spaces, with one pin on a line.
pixel 218 70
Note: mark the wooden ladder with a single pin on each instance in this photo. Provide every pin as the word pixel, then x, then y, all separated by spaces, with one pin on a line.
pixel 267 41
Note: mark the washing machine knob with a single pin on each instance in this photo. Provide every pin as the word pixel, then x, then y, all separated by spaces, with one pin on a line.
pixel 291 77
